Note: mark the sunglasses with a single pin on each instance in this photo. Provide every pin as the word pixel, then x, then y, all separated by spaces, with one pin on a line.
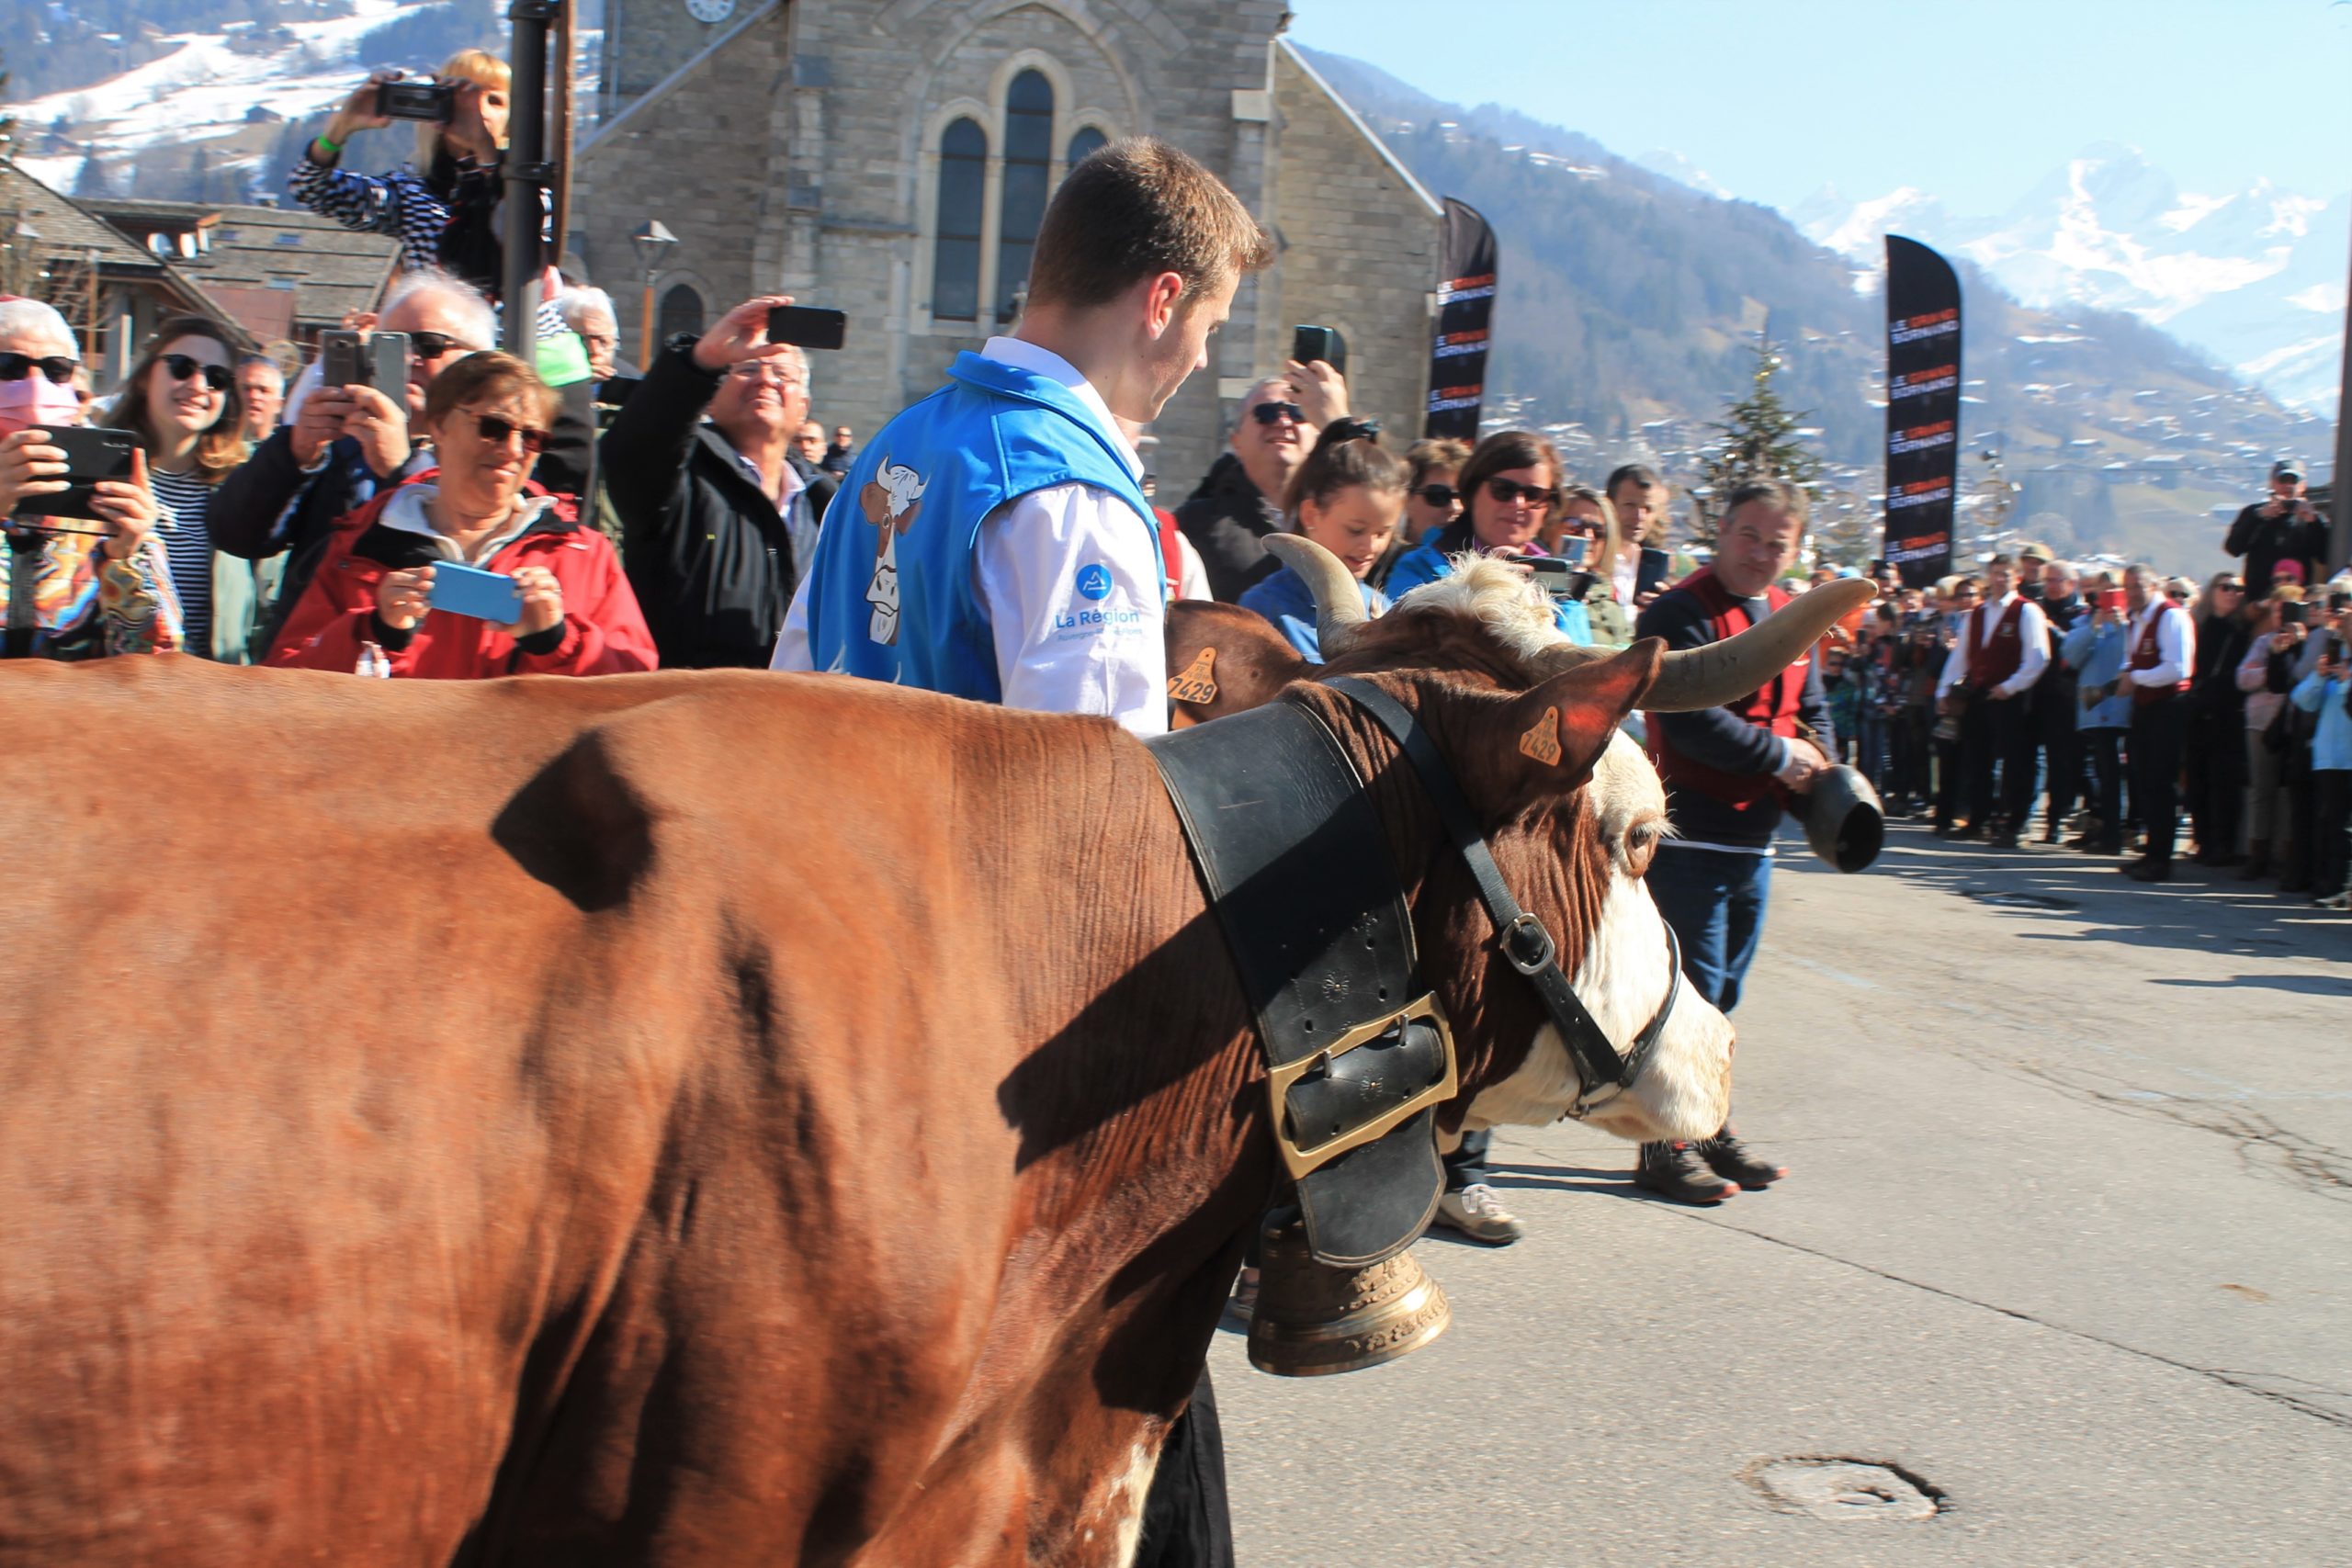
pixel 432 345
pixel 1267 413
pixel 495 431
pixel 1540 497
pixel 184 367
pixel 56 366
pixel 2232 587
pixel 1439 496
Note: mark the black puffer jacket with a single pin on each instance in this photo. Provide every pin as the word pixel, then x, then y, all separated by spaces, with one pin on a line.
pixel 711 558
pixel 1227 521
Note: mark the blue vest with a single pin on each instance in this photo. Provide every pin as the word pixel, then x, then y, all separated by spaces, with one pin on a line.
pixel 890 594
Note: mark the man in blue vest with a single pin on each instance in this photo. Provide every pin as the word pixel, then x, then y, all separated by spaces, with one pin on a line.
pixel 992 541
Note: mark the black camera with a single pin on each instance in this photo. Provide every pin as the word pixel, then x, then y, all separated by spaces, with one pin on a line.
pixel 434 101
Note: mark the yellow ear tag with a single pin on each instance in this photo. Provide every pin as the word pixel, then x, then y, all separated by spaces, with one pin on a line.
pixel 1542 742
pixel 1198 681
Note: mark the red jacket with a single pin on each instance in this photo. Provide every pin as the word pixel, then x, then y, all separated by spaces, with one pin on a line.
pixel 603 632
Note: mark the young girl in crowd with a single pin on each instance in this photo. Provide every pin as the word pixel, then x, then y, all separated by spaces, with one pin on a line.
pixel 1346 497
pixel 181 401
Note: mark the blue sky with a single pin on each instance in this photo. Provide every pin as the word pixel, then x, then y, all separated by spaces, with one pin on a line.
pixel 1776 98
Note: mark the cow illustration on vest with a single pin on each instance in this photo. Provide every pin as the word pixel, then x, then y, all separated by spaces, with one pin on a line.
pixel 890 502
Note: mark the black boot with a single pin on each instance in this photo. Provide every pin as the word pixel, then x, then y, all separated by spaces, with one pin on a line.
pixel 1678 1170
pixel 1734 1161
pixel 2257 860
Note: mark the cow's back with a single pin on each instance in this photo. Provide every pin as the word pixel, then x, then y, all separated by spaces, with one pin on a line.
pixel 437 1114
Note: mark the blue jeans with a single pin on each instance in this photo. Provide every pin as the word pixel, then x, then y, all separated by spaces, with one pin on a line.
pixel 1715 901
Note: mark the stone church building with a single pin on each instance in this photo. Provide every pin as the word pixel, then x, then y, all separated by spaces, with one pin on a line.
pixel 892 159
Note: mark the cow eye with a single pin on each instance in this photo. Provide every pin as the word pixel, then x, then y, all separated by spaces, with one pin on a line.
pixel 1641 844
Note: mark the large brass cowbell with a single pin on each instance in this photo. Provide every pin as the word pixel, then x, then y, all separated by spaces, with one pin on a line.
pixel 1313 1319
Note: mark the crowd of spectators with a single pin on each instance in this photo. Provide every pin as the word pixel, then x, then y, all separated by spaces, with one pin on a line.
pixel 2123 704
pixel 271 517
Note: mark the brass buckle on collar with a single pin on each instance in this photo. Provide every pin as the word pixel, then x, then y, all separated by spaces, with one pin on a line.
pixel 1300 1161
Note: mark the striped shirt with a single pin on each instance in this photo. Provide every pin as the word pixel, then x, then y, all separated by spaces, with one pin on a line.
pixel 187 499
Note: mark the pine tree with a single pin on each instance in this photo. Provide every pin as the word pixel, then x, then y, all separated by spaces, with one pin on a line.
pixel 1757 438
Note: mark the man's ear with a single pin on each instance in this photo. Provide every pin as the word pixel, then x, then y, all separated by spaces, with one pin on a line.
pixel 1223 659
pixel 1542 743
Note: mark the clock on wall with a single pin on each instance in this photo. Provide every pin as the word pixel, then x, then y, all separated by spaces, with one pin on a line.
pixel 710 10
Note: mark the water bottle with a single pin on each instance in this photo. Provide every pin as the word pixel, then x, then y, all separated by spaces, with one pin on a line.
pixel 373 661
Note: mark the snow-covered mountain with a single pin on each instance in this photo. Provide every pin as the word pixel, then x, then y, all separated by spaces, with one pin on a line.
pixel 2256 278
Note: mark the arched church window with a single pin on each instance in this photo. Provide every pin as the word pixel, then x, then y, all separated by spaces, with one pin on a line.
pixel 955 252
pixel 681 311
pixel 1084 140
pixel 1028 157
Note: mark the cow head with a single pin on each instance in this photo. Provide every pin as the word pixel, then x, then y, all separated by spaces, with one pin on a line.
pixel 1572 810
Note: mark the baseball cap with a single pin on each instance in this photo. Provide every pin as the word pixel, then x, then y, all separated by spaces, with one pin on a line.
pixel 2288 469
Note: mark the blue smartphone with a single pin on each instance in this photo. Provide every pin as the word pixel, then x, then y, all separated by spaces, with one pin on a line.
pixel 469 591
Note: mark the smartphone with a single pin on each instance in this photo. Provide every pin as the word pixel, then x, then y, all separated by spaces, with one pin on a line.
pixel 2113 598
pixel 1576 551
pixel 1308 344
pixel 91 454
pixel 1650 576
pixel 806 326
pixel 387 363
pixel 435 101
pixel 469 591
pixel 1554 575
pixel 343 359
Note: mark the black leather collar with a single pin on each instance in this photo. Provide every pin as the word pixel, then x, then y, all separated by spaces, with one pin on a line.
pixel 1602 1072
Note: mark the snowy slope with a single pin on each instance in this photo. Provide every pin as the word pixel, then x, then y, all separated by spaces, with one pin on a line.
pixel 204 88
pixel 2254 278
pixel 206 85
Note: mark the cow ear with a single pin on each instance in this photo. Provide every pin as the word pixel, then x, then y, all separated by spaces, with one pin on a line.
pixel 1544 743
pixel 1223 659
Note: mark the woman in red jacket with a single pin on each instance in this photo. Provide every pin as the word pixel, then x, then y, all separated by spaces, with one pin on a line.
pixel 487 417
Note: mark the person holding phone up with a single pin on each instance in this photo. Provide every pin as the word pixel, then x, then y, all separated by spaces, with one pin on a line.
pixel 572 611
pixel 718 513
pixel 73 588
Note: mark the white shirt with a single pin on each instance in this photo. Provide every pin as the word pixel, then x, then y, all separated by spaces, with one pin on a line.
pixel 2175 644
pixel 2033 654
pixel 1066 640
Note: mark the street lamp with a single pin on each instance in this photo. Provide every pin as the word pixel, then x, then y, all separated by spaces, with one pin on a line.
pixel 650 239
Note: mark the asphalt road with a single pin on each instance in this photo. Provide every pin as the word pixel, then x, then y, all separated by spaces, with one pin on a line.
pixel 2068 1242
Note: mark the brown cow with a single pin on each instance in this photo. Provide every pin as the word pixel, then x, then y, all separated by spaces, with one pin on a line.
pixel 682 1119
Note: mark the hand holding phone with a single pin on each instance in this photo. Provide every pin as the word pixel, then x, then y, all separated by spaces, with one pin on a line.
pixel 469 591
pixel 806 327
pixel 89 457
pixel 1324 346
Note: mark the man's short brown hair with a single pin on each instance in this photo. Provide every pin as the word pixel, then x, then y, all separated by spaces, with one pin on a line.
pixel 1133 210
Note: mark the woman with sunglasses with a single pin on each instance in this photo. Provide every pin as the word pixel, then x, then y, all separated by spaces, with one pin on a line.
pixel 1511 487
pixel 372 600
pixel 71 587
pixel 1432 500
pixel 1587 523
pixel 182 401
pixel 1345 497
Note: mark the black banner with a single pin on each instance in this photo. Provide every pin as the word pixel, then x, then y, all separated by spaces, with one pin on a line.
pixel 1922 410
pixel 1466 310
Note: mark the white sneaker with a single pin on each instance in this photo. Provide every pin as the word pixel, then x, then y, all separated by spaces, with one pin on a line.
pixel 1478 1213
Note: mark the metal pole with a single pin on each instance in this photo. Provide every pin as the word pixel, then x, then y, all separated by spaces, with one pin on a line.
pixel 527 174
pixel 2339 548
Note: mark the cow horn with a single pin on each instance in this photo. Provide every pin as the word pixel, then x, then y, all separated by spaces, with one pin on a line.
pixel 1339 600
pixel 1694 678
